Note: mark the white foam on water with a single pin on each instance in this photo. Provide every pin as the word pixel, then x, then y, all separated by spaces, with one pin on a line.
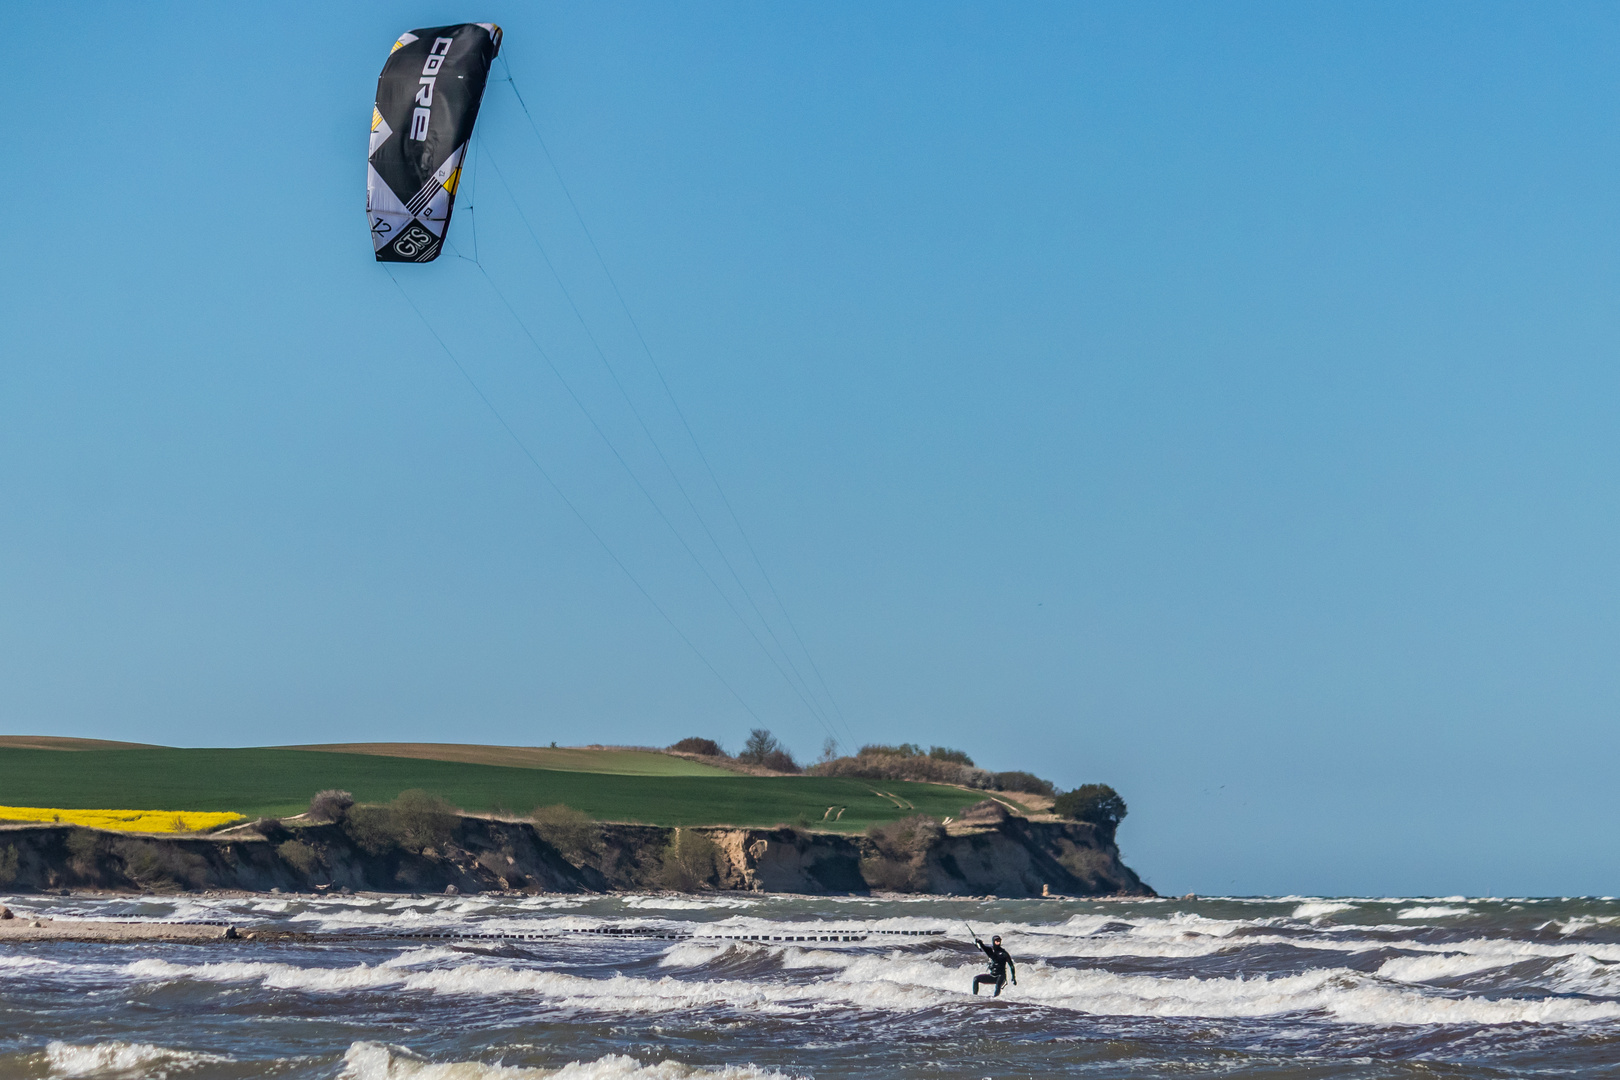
pixel 1583 974
pixel 432 954
pixel 121 1059
pixel 1419 969
pixel 373 1061
pixel 20 963
pixel 673 903
pixel 1579 923
pixel 902 981
pixel 1315 909
pixel 1341 994
pixel 407 919
pixel 690 954
pixel 274 976
pixel 1433 911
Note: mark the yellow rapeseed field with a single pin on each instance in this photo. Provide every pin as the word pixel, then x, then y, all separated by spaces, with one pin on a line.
pixel 123 820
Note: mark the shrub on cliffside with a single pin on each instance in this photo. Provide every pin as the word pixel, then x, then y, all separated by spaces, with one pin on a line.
pixel 371 828
pixel 937 765
pixel 161 866
pixel 8 864
pixel 575 836
pixel 1098 804
pixel 423 820
pixel 415 821
pixel 887 763
pixel 690 862
pixel 300 856
pixel 85 848
pixel 330 805
pixel 1026 782
pixel 898 861
pixel 765 750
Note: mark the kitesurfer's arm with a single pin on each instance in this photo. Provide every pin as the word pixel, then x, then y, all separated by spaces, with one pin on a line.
pixel 1012 966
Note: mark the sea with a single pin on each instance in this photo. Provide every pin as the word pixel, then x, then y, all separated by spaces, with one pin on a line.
pixel 744 986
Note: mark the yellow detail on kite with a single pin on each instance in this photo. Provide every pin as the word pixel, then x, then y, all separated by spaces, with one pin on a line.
pixel 376 118
pixel 452 180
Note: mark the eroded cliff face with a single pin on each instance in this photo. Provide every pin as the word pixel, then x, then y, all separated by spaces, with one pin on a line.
pixel 987 852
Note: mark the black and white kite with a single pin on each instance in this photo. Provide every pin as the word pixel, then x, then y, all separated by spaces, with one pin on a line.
pixel 427 101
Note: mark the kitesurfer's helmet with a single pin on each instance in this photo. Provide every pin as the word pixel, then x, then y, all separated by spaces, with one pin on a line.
pixel 996 940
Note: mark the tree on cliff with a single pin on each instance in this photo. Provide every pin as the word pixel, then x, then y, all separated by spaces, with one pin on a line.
pixel 1098 804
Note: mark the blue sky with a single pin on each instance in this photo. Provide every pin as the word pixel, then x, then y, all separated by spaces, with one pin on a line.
pixel 1218 401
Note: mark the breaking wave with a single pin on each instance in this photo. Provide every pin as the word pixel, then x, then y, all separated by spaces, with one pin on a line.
pixel 122 1059
pixel 374 1061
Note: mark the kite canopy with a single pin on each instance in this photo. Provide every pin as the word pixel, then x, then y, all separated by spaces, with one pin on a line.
pixel 427 102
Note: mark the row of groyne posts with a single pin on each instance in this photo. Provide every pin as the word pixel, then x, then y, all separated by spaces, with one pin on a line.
pixel 646 933
pixel 656 934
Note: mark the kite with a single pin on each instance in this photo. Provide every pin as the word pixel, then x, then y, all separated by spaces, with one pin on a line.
pixel 427 102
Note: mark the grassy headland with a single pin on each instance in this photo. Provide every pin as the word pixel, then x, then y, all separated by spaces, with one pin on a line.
pixel 279 782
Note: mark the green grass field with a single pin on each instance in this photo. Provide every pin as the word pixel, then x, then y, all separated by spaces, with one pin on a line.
pixel 613 760
pixel 279 782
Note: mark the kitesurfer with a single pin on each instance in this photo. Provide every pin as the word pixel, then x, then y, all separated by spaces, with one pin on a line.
pixel 1000 963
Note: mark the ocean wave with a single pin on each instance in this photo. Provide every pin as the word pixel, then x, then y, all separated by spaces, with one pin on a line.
pixel 121 1059
pixel 1315 909
pixel 675 903
pixel 1579 924
pixel 374 1061
pixel 909 979
pixel 1584 974
pixel 1434 966
pixel 1433 911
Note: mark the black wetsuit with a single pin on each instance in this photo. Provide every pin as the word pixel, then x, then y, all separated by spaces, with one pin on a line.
pixel 1000 961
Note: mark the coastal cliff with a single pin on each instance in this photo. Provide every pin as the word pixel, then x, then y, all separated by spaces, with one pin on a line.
pixel 986 852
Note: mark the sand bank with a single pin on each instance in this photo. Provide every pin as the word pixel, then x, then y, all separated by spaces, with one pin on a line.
pixel 25 929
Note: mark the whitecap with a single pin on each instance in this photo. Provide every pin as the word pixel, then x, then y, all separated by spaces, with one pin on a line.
pixel 1432 911
pixel 373 1061
pixel 1428 968
pixel 675 903
pixel 116 1059
pixel 1315 909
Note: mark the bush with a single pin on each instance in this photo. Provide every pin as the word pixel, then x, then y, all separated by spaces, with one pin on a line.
pixel 903 767
pixel 161 866
pixel 300 856
pixel 422 821
pixel 955 757
pixel 900 861
pixel 8 864
pixel 1028 783
pixel 903 750
pixel 940 765
pixel 1098 804
pixel 85 847
pixel 371 828
pixel 690 862
pixel 706 747
pixel 330 805
pixel 415 821
pixel 575 836
pixel 765 750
